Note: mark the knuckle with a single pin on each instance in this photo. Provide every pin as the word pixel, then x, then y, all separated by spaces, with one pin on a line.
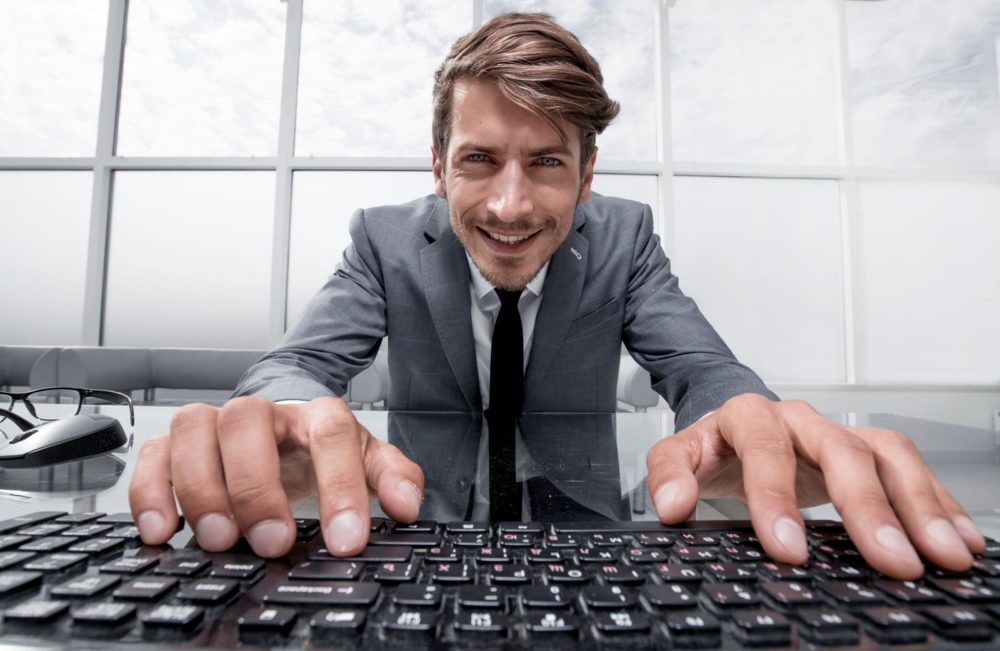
pixel 800 407
pixel 331 426
pixel 860 500
pixel 847 442
pixel 772 446
pixel 887 438
pixel 193 416
pixel 195 490
pixel 252 496
pixel 243 411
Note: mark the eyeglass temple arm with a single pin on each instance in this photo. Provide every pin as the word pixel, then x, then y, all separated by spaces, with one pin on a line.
pixel 21 422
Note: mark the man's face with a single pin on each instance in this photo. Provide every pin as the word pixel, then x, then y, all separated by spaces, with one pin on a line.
pixel 511 183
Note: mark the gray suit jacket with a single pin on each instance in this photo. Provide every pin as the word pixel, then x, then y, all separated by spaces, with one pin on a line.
pixel 406 277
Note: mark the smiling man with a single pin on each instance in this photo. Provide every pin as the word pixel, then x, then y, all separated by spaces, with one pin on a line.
pixel 518 105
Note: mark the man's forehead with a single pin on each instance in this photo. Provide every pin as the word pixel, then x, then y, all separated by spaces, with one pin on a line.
pixel 476 132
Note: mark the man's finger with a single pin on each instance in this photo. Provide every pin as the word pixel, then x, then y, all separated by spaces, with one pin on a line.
pixel 335 445
pixel 248 446
pixel 196 470
pixel 670 478
pixel 397 481
pixel 766 449
pixel 908 484
pixel 150 495
pixel 854 486
pixel 966 528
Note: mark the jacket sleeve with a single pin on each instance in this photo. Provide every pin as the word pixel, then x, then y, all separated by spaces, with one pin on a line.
pixel 666 333
pixel 337 337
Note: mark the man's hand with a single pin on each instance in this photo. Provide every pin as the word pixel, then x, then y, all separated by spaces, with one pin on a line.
pixel 778 457
pixel 235 469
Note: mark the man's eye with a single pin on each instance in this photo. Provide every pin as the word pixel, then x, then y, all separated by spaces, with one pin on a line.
pixel 476 158
pixel 548 161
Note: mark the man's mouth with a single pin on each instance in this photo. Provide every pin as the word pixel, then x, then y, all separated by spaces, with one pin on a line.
pixel 510 244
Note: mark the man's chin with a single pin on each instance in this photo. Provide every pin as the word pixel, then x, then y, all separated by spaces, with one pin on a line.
pixel 509 279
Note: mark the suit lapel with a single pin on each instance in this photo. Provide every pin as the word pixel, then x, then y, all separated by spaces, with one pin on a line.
pixel 560 297
pixel 445 273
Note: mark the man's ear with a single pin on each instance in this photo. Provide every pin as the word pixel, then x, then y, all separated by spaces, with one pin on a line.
pixel 437 165
pixel 587 177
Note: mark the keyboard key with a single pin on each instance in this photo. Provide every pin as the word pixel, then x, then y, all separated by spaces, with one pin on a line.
pixel 542 555
pixel 98 546
pixel 565 573
pixel 726 572
pixel 85 587
pixel 694 539
pixel 452 573
pixel 12 540
pixel 397 572
pixel 10 560
pixel 726 596
pixel 909 592
pixel 132 565
pixel 107 614
pixel 563 541
pixel 420 526
pixel 467 527
pixel 267 620
pixel 151 588
pixel 743 553
pixel 306 529
pixel 967 591
pixel 643 555
pixel 838 571
pixel 326 571
pixel 621 621
pixel 187 567
pixel 47 544
pixel 603 596
pixel 337 620
pixel 79 518
pixel 694 630
pixel 894 625
pixel 128 533
pixel 606 540
pixel 828 626
pixel 470 539
pixel 12 524
pixel 370 554
pixel 406 539
pixel 508 574
pixel 695 554
pixel 443 555
pixel 512 540
pixel 174 616
pixel 332 593
pixel 47 529
pixel 55 563
pixel 655 539
pixel 490 555
pixel 544 596
pixel 762 628
pixel 850 594
pixel 551 622
pixel 474 621
pixel 959 622
pixel 608 526
pixel 421 596
pixel 209 592
pixel 679 573
pixel 118 519
pixel 410 621
pixel 482 596
pixel 597 554
pixel 13 582
pixel 783 572
pixel 237 568
pixel 533 528
pixel 670 595
pixel 88 530
pixel 35 612
pixel 621 575
pixel 789 594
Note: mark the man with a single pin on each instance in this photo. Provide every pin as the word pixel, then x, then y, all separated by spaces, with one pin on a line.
pixel 518 105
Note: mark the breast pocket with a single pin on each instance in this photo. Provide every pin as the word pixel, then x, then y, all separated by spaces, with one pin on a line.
pixel 603 316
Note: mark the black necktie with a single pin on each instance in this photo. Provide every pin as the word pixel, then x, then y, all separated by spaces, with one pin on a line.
pixel 507 359
pixel 506 399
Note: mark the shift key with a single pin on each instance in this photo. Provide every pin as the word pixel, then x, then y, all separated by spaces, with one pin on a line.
pixel 370 554
pixel 331 593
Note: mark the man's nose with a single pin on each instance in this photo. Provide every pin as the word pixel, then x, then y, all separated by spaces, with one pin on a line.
pixel 510 196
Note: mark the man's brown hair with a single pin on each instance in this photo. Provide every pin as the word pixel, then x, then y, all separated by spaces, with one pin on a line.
pixel 537 64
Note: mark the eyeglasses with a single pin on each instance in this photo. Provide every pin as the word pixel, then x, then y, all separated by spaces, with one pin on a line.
pixel 51 403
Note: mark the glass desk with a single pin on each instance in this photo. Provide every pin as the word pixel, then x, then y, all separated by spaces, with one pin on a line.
pixel 570 467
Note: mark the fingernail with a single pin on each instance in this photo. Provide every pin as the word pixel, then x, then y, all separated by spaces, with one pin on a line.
pixel 941 531
pixel 215 532
pixel 967 528
pixel 665 497
pixel 790 535
pixel 345 532
pixel 269 538
pixel 896 542
pixel 152 527
pixel 410 489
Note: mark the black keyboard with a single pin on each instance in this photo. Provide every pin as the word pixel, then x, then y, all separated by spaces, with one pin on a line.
pixel 85 580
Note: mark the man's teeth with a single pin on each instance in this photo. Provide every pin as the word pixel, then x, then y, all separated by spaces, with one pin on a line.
pixel 508 239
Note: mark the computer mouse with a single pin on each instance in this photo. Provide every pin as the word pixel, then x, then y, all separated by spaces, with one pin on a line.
pixel 67 439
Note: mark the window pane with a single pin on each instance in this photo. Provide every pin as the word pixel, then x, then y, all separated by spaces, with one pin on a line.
pixel 51 56
pixel 366 73
pixel 322 205
pixel 637 187
pixel 924 82
pixel 189 260
pixel 762 258
pixel 45 221
pixel 202 78
pixel 754 82
pixel 621 36
pixel 929 283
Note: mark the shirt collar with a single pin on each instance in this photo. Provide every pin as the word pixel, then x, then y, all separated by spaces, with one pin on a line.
pixel 484 289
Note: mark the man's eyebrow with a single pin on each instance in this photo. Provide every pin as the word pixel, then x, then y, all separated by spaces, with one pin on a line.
pixel 547 150
pixel 552 149
pixel 471 146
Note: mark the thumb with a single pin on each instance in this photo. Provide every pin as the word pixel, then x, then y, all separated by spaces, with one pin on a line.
pixel 670 478
pixel 398 482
